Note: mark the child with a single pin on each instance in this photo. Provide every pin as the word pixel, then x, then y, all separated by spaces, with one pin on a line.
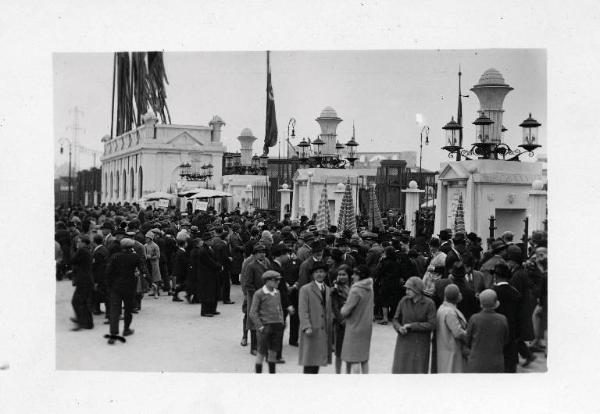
pixel 267 315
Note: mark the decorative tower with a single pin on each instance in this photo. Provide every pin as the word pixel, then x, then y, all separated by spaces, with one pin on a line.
pixel 328 121
pixel 216 123
pixel 246 141
pixel 491 91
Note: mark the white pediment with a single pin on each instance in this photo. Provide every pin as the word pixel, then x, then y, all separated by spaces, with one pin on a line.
pixel 454 171
pixel 184 140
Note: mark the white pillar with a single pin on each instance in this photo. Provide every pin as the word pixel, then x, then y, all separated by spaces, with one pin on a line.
pixel 86 198
pixel 537 206
pixel 95 198
pixel 285 207
pixel 340 189
pixel 411 206
pixel 308 202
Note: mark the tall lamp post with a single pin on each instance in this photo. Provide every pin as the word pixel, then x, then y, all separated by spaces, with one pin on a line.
pixel 63 140
pixel 425 129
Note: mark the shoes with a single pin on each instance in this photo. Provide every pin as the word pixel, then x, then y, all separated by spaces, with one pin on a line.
pixel 74 320
pixel 176 299
pixel 228 302
pixel 106 321
pixel 208 315
pixel 537 348
pixel 529 360
pixel 128 332
pixel 216 313
pixel 280 361
pixel 383 323
pixel 244 342
pixel 77 328
pixel 111 341
pixel 294 344
pixel 253 352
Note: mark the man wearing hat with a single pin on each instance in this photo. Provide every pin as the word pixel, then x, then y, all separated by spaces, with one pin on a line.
pixel 83 282
pixel 107 229
pixel 510 307
pixel 521 281
pixel 445 240
pixel 266 314
pixel 303 249
pixel 222 255
pixel 487 334
pixel 305 272
pixel 205 270
pixel 458 248
pixel 236 246
pixel 252 282
pixel 121 278
pixel 491 258
pixel 316 321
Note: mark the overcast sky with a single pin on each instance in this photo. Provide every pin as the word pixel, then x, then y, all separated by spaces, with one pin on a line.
pixel 381 91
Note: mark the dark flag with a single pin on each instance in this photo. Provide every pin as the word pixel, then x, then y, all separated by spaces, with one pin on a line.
pixel 271 122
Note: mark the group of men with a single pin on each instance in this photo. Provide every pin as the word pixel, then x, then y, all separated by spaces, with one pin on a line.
pixel 117 253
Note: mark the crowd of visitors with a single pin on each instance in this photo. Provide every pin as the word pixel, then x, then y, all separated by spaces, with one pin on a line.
pixel 456 307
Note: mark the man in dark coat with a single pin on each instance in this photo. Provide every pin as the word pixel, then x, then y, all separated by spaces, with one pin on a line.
pixel 236 246
pixel 84 284
pixel 99 260
pixel 458 248
pixel 305 272
pixel 253 281
pixel 181 268
pixel 290 273
pixel 510 306
pixel 522 282
pixel 206 270
pixel 222 255
pixel 122 281
pixel 280 256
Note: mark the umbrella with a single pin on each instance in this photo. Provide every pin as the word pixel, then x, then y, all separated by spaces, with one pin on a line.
pixel 202 193
pixel 346 218
pixel 323 217
pixel 158 195
pixel 208 193
pixel 374 213
pixel 459 217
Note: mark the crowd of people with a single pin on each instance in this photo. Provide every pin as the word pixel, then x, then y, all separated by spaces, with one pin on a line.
pixel 456 307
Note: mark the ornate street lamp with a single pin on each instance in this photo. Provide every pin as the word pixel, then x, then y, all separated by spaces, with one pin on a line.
pixel 303 145
pixel 530 134
pixel 452 129
pixel 352 144
pixel 338 148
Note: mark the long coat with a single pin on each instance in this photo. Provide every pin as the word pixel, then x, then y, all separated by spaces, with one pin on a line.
pixel 411 355
pixel 153 257
pixel 358 311
pixel 82 270
pixel 206 270
pixel 487 333
pixel 451 333
pixel 524 284
pixel 237 252
pixel 314 313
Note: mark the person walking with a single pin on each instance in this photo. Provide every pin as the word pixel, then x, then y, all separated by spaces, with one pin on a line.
pixel 414 321
pixel 451 333
pixel 99 259
pixel 81 263
pixel 339 295
pixel 316 329
pixel 121 277
pixel 487 334
pixel 181 268
pixel 222 255
pixel 252 281
pixel 358 312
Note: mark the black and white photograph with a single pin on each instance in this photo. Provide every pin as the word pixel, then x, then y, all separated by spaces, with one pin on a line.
pixel 387 215
pixel 243 194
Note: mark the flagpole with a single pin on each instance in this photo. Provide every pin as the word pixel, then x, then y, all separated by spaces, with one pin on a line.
pixel 459 115
pixel 112 110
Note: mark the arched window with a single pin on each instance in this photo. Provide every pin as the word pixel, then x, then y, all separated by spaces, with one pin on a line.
pixel 140 182
pixel 132 183
pixel 111 186
pixel 124 185
pixel 117 186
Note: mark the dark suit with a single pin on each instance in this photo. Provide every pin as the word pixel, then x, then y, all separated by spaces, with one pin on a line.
pixel 121 279
pixel 205 270
pixel 84 287
pixel 181 269
pixel 510 304
pixel 99 261
pixel 221 253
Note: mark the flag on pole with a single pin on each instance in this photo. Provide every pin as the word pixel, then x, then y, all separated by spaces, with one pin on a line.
pixel 271 120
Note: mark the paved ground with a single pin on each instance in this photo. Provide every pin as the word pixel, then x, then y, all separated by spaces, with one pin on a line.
pixel 172 337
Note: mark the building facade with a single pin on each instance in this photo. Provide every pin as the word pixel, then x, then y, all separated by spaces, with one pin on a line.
pixel 148 158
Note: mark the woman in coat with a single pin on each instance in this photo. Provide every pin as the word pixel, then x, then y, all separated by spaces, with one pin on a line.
pixel 414 321
pixel 153 258
pixel 206 270
pixel 451 333
pixel 358 312
pixel 316 330
pixel 339 295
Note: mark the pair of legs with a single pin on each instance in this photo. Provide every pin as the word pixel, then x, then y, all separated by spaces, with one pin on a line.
pixel 127 299
pixel 357 367
pixel 269 344
pixel 82 303
pixel 338 365
pixel 311 369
